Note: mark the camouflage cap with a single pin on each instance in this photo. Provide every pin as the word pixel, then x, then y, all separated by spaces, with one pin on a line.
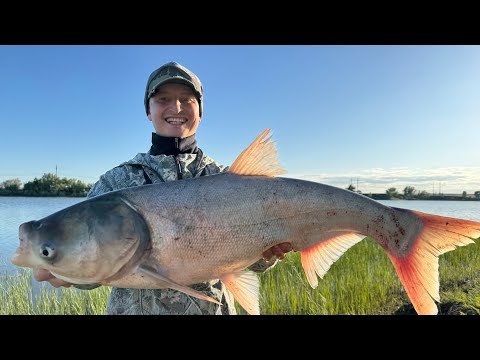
pixel 173 72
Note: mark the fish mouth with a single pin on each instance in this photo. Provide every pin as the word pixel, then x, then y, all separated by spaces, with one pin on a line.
pixel 20 258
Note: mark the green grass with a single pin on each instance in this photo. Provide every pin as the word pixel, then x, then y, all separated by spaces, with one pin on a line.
pixel 460 277
pixel 362 281
pixel 17 297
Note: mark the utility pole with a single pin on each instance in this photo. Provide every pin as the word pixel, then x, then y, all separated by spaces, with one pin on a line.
pixel 433 189
pixel 55 170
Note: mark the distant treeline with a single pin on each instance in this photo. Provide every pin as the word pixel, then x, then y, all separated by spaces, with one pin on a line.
pixel 48 185
pixel 51 185
pixel 430 197
pixel 410 193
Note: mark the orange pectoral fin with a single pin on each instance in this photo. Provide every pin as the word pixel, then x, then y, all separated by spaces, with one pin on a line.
pixel 167 283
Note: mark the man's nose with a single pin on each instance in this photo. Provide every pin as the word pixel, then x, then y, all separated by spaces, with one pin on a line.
pixel 177 104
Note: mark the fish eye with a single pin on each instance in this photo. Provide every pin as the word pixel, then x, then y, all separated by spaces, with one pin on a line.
pixel 47 251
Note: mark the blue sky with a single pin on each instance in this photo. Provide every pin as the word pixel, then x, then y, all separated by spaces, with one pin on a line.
pixel 380 115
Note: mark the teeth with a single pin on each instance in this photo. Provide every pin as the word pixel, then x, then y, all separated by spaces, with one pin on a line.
pixel 176 121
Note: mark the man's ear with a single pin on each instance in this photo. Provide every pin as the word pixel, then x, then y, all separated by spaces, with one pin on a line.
pixel 149 116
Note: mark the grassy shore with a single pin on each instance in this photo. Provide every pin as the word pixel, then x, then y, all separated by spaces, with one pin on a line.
pixel 18 297
pixel 363 281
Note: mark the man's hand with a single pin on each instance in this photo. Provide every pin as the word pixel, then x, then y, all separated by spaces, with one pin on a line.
pixel 277 251
pixel 45 275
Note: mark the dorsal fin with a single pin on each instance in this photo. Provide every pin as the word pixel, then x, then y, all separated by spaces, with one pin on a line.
pixel 260 158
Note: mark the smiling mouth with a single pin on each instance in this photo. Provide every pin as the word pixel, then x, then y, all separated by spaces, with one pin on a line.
pixel 176 121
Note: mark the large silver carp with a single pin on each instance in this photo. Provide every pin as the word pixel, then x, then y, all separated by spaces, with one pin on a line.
pixel 175 234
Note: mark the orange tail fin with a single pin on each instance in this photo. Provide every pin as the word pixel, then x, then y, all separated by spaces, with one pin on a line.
pixel 418 270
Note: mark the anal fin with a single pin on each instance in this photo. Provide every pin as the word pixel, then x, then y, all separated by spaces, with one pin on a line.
pixel 317 259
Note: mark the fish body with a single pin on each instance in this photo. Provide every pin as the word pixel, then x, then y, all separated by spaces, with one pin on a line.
pixel 203 228
pixel 175 234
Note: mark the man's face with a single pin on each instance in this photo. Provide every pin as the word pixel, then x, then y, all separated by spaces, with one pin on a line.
pixel 174 111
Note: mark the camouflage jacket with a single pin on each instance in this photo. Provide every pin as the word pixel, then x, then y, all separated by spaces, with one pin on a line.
pixel 161 168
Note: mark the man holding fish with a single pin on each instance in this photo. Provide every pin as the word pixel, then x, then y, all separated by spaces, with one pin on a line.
pixel 181 237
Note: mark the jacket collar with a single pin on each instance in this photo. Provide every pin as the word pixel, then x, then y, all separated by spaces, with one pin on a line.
pixel 162 145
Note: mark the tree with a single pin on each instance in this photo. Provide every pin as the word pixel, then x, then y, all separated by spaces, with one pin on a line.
pixel 477 194
pixel 423 194
pixel 392 192
pixel 51 185
pixel 46 185
pixel 12 185
pixel 409 192
pixel 464 194
pixel 351 188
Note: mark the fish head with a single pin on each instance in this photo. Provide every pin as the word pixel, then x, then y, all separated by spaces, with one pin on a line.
pixel 91 241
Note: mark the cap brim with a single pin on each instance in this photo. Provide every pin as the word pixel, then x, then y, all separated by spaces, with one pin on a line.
pixel 173 81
